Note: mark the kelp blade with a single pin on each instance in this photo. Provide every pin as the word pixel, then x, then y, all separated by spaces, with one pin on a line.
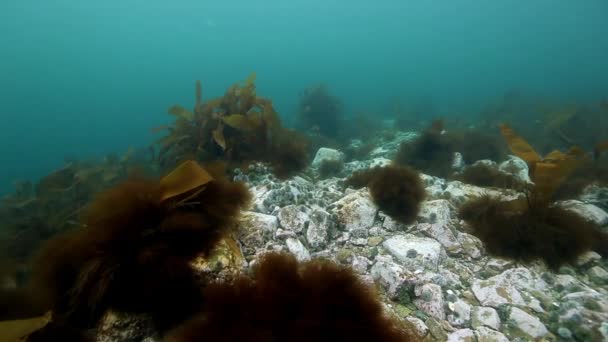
pixel 184 178
pixel 519 146
pixel 18 330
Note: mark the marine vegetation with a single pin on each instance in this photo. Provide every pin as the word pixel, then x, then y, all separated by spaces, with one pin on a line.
pixel 134 249
pixel 533 228
pixel 289 301
pixel 396 190
pixel 591 171
pixel 319 111
pixel 549 125
pixel 330 167
pixel 432 152
pixel 239 127
pixel 528 232
pixel 484 175
pixel 36 212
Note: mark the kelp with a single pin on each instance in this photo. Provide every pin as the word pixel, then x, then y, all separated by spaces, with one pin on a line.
pixel 319 110
pixel 548 173
pixel 238 127
pixel 19 330
pixel 35 212
pixel 134 249
pixel 533 228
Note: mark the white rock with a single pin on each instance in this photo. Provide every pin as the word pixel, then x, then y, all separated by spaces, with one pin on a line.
pixel 528 324
pixel 418 325
pixel 293 218
pixel 442 233
pixel 588 258
pixel 325 153
pixel 380 162
pixel 462 335
pixel 517 167
pixel 360 264
pixel 318 228
pixel 508 288
pixel 389 274
pixel 470 244
pixel 297 248
pixel 485 316
pixel 255 230
pixel 268 224
pixel 458 193
pixel 259 194
pixel 413 251
pixel 391 225
pixel 461 313
pixel 356 210
pixel 429 299
pixel 435 211
pixel 590 212
pixel 488 335
pixel 598 275
pixel 457 162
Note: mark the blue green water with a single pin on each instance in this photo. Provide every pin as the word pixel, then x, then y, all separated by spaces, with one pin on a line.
pixel 81 78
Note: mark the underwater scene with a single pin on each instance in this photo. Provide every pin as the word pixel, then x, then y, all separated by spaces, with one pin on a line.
pixel 304 170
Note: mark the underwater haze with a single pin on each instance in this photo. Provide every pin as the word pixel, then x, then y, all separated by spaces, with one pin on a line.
pixel 86 78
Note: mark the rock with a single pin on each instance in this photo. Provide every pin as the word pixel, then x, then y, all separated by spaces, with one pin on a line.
pixel 318 228
pixel 436 329
pixel 327 191
pixel 325 153
pixel 462 335
pixel 420 329
pixel 374 241
pixel 294 191
pixel 412 251
pixel 297 248
pixel 597 195
pixel 391 225
pixel 516 167
pixel 360 264
pixel 115 326
pixel 293 218
pixel 435 211
pixel 598 275
pixel 442 233
pixel 485 316
pixel 525 324
pixel 458 193
pixel 458 162
pixel 255 229
pixel 588 211
pixel 389 274
pixel 429 299
pixel 588 257
pixel 510 287
pixel 484 334
pixel 356 211
pixel 380 162
pixel 460 313
pixel 470 244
